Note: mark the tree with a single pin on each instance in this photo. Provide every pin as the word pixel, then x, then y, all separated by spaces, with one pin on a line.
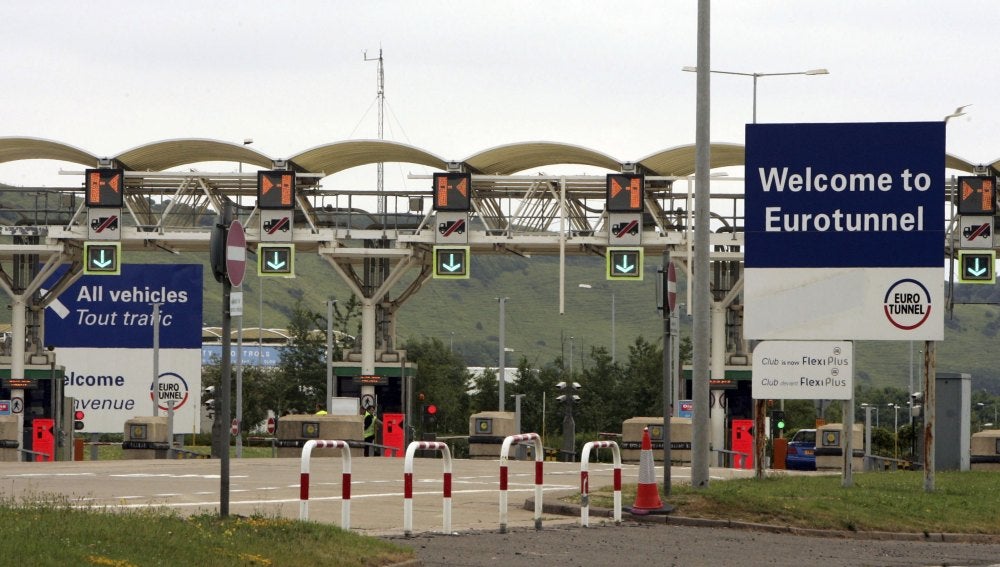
pixel 302 370
pixel 444 381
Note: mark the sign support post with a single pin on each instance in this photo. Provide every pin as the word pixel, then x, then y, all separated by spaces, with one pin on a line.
pixel 223 413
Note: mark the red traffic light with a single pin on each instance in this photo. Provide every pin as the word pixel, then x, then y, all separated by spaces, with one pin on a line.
pixel 78 420
pixel 78 415
pixel 431 409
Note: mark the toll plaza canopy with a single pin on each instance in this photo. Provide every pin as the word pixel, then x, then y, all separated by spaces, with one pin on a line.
pixel 337 156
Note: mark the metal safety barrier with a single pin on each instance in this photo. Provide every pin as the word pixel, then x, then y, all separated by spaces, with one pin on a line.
pixel 345 508
pixel 411 449
pixel 585 480
pixel 504 452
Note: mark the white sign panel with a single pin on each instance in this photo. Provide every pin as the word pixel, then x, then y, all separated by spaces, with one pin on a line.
pixel 821 303
pixel 803 370
pixel 112 386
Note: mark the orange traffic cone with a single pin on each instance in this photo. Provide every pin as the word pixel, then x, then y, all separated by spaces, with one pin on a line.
pixel 647 497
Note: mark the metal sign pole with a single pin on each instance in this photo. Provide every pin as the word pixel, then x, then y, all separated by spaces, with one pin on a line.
pixel 225 381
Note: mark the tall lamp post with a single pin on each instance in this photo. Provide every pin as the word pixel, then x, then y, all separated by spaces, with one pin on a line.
pixel 895 429
pixel 700 269
pixel 757 76
pixel 588 286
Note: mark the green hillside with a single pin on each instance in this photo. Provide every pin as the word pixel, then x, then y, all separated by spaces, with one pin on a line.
pixel 464 314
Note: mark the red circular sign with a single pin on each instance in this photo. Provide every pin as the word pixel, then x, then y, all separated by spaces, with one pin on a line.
pixel 236 253
pixel 270 426
pixel 671 287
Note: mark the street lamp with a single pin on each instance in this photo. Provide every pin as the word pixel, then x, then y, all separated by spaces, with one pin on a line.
pixel 874 407
pixel 982 405
pixel 895 428
pixel 501 378
pixel 588 286
pixel 756 76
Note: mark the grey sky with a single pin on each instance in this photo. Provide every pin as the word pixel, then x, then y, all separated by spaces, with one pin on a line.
pixel 464 76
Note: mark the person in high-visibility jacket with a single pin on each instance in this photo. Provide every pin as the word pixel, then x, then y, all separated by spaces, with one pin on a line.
pixel 371 429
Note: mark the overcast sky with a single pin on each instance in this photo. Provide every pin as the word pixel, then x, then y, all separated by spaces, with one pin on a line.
pixel 464 76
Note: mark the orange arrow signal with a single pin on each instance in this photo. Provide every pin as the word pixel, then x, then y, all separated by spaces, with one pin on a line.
pixel 616 187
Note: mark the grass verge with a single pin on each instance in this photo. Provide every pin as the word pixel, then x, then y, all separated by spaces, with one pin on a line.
pixel 962 502
pixel 58 534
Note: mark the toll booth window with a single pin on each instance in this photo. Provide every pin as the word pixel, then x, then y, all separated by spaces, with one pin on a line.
pixel 310 430
pixel 138 432
pixel 484 426
pixel 831 439
pixel 656 433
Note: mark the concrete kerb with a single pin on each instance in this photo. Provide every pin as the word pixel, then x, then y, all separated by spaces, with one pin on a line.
pixel 555 506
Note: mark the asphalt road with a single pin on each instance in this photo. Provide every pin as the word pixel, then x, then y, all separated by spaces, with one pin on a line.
pixel 637 545
pixel 271 487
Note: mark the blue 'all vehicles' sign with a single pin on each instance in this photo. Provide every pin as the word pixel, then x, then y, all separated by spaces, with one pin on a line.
pixel 117 312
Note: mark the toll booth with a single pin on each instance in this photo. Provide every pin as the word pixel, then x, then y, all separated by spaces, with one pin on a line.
pixel 43 439
pixel 146 437
pixel 393 434
pixel 680 439
pixel 487 431
pixel 37 396
pixel 741 443
pixel 294 431
pixel 8 439
pixel 986 450
pixel 829 447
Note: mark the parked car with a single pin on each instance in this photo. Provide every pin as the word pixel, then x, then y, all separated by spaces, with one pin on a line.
pixel 802 451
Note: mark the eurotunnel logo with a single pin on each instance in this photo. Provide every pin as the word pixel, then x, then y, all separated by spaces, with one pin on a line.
pixel 907 304
pixel 172 388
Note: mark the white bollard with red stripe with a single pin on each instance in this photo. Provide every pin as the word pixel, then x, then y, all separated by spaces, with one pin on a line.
pixel 345 508
pixel 504 452
pixel 408 483
pixel 585 480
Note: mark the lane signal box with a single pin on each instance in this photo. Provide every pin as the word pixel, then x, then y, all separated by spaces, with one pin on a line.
pixel 102 258
pixel 624 263
pixel 276 189
pixel 624 193
pixel 452 191
pixel 451 262
pixel 977 195
pixel 977 267
pixel 276 260
pixel 105 187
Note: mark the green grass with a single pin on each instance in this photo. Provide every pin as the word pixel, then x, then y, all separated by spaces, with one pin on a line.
pixel 962 502
pixel 57 534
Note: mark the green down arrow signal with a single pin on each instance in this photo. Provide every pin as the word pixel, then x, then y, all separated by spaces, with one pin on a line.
pixel 977 270
pixel 451 266
pixel 102 263
pixel 277 263
pixel 625 267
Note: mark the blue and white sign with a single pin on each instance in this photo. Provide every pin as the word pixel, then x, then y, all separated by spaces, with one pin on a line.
pixel 253 355
pixel 845 231
pixel 117 312
pixel 102 328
